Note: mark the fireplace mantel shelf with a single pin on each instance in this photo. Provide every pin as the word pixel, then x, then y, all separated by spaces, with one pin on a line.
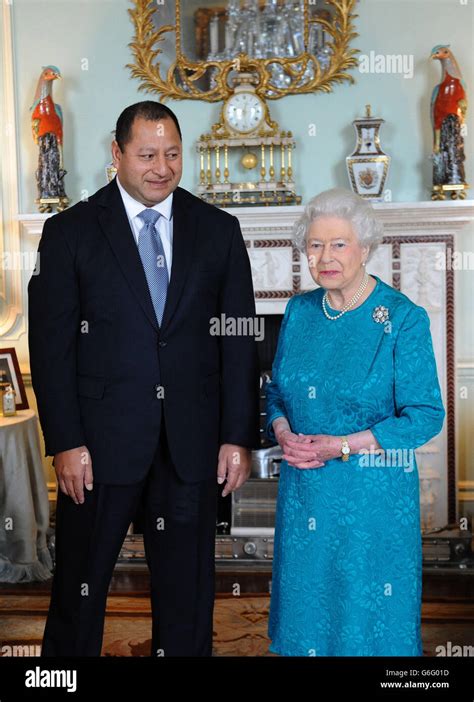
pixel 394 215
pixel 401 215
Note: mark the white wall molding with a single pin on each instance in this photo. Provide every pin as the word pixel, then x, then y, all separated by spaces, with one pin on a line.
pixel 465 370
pixel 32 224
pixel 410 216
pixel 10 245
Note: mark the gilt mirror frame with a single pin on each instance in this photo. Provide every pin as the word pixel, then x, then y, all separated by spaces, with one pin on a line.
pixel 181 79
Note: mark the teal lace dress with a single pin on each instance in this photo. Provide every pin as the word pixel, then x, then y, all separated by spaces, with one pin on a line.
pixel 347 558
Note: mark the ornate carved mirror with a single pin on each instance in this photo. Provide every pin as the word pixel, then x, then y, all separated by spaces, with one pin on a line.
pixel 191 49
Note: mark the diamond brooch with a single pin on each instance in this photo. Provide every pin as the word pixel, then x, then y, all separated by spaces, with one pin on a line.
pixel 380 314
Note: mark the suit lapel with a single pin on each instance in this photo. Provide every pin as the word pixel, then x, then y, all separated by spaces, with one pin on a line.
pixel 184 236
pixel 114 223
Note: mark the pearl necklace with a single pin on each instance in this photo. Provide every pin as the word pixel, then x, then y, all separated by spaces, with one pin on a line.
pixel 352 301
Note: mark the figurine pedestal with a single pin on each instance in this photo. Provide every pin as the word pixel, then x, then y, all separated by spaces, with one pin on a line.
pixel 455 192
pixel 45 204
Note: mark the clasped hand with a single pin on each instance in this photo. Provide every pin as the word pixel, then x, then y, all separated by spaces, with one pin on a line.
pixel 308 450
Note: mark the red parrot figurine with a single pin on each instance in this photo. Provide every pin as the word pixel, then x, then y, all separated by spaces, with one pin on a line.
pixel 448 112
pixel 47 127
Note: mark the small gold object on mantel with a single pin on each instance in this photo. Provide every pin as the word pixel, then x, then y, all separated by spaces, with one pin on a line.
pixel 249 160
pixel 245 125
pixel 455 192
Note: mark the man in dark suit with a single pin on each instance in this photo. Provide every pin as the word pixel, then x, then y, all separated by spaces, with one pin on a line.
pixel 140 405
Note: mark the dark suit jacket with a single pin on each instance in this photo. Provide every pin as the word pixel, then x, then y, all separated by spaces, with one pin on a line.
pixel 98 357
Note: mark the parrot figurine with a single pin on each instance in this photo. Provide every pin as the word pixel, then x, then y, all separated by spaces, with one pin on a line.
pixel 448 112
pixel 47 128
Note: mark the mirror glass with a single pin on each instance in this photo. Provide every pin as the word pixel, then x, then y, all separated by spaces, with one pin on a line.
pixel 220 29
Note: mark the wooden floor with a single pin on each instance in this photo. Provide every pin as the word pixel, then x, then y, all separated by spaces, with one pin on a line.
pixel 240 620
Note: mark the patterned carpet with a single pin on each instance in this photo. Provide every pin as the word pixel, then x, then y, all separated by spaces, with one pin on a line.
pixel 240 625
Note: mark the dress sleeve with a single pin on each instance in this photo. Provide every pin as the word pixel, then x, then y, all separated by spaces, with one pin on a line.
pixel 419 411
pixel 275 405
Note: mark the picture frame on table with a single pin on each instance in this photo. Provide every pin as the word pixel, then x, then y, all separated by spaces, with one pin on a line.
pixel 10 370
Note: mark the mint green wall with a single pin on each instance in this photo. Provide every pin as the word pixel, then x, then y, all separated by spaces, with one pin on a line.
pixel 64 32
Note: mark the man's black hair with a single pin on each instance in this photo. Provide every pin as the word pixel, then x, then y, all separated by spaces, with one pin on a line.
pixel 149 110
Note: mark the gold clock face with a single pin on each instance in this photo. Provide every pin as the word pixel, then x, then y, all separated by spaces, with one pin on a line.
pixel 244 112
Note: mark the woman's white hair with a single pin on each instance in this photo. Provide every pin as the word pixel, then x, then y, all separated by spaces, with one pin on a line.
pixel 338 202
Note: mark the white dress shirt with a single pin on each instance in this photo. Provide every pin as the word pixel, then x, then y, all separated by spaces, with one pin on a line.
pixel 164 223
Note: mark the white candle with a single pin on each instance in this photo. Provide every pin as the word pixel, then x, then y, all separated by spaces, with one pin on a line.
pixel 214 34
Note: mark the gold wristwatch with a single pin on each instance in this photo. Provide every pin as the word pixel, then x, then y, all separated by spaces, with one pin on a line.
pixel 345 449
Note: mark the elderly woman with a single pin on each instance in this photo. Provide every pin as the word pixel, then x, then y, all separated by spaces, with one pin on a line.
pixel 354 392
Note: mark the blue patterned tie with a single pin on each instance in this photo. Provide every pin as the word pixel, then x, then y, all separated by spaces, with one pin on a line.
pixel 152 254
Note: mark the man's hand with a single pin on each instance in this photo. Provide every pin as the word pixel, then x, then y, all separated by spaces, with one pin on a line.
pixel 234 465
pixel 74 470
